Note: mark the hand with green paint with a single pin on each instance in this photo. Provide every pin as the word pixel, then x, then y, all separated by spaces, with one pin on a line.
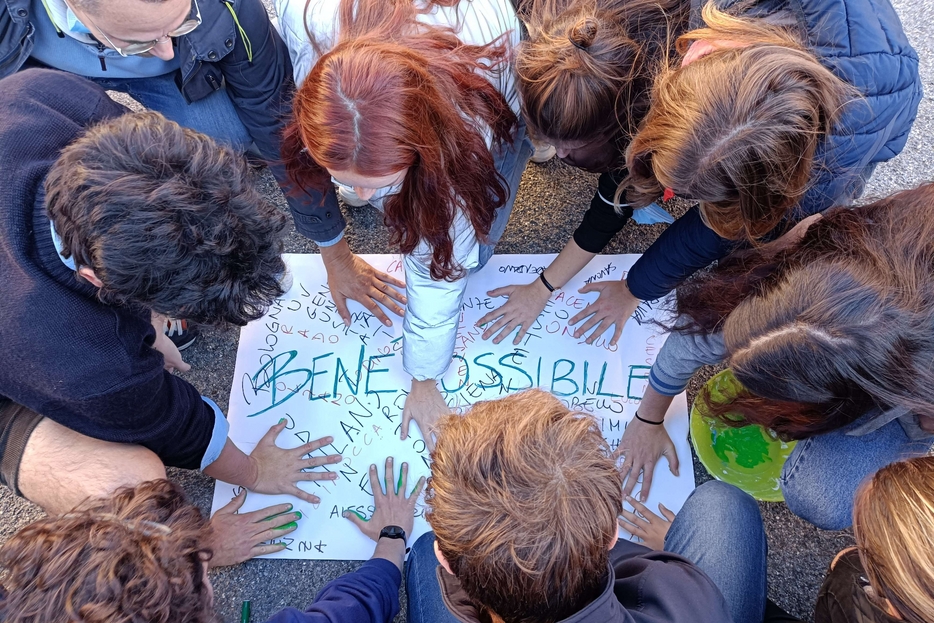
pixel 236 537
pixel 393 506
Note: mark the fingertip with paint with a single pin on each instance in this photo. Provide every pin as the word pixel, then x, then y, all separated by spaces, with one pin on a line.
pixel 281 420
pixel 289 526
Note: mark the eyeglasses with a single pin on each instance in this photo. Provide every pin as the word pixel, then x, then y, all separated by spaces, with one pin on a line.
pixel 141 47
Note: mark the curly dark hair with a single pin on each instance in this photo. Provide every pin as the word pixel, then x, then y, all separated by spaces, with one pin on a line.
pixel 168 220
pixel 135 556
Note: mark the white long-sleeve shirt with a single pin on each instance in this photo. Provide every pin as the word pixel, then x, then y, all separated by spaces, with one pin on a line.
pixel 433 309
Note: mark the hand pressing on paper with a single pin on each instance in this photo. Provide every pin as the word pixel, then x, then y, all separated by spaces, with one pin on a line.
pixel 425 405
pixel 614 306
pixel 641 447
pixel 349 277
pixel 276 470
pixel 236 537
pixel 523 305
pixel 393 506
pixel 646 525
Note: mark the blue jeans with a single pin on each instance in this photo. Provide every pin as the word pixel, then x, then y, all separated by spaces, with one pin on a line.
pixel 719 529
pixel 214 115
pixel 822 473
pixel 510 162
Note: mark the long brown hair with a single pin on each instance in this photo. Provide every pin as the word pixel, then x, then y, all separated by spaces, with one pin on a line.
pixel 393 95
pixel 893 521
pixel 523 500
pixel 738 129
pixel 587 67
pixel 137 555
pixel 826 328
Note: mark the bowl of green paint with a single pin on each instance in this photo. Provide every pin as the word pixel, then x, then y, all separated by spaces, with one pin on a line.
pixel 749 457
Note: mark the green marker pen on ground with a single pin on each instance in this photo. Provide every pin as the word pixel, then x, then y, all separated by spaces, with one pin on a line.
pixel 245 612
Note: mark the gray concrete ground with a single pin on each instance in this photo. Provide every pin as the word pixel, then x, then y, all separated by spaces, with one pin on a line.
pixel 548 208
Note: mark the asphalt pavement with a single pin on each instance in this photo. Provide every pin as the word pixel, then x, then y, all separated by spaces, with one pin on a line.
pixel 548 208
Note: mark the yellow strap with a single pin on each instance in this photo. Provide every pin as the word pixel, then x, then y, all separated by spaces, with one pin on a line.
pixel 246 40
pixel 49 13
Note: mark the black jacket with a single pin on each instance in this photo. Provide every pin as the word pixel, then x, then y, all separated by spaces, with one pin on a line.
pixel 88 366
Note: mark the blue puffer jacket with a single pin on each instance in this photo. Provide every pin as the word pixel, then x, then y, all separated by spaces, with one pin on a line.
pixel 863 43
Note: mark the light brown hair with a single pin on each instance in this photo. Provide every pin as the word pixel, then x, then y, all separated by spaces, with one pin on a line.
pixel 587 67
pixel 523 500
pixel 136 556
pixel 893 520
pixel 738 129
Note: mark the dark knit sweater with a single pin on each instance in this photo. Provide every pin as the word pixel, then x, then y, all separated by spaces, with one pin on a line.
pixel 88 366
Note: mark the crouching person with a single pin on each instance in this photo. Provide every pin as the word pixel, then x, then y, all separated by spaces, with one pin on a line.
pixel 524 501
pixel 107 220
pixel 142 554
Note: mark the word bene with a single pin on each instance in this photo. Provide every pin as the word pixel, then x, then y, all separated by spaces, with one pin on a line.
pixel 280 379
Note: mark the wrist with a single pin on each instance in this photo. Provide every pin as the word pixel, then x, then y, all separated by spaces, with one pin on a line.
pixel 337 251
pixel 546 284
pixel 651 420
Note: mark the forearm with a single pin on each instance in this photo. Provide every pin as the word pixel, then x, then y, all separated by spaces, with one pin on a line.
pixel 569 262
pixel 392 550
pixel 654 405
pixel 233 466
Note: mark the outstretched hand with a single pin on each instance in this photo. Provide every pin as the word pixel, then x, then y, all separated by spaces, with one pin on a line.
pixel 425 405
pixel 614 306
pixel 523 305
pixel 236 537
pixel 277 470
pixel 641 447
pixel 393 506
pixel 349 277
pixel 646 525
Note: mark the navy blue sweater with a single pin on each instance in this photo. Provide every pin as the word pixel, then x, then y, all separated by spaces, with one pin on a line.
pixel 863 43
pixel 368 595
pixel 88 366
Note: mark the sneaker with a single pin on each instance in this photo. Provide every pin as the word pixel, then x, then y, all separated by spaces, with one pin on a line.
pixel 182 333
pixel 349 197
pixel 543 153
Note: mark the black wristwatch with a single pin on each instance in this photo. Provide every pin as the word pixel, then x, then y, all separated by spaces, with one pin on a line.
pixel 393 532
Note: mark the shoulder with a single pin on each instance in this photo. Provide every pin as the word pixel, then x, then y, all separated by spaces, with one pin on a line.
pixel 58 90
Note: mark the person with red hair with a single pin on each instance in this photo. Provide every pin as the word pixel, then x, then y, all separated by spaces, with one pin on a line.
pixel 410 107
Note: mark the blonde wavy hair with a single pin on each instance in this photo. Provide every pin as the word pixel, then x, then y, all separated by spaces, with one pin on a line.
pixel 893 519
pixel 523 500
pixel 739 128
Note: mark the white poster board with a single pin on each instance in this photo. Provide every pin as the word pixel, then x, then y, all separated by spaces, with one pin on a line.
pixel 301 363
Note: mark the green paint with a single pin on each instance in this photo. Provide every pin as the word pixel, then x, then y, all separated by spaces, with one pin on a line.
pixel 289 526
pixel 749 457
pixel 747 446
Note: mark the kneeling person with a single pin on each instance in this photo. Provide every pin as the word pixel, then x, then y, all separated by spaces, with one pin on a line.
pixel 524 501
pixel 106 219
